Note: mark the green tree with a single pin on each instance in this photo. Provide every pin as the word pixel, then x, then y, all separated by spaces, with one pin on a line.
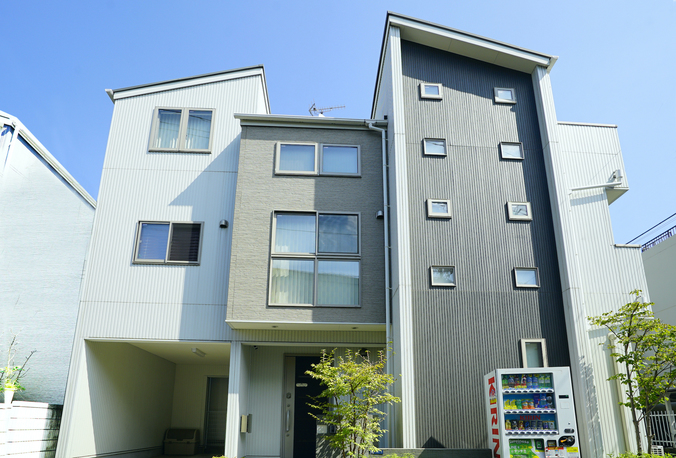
pixel 355 385
pixel 11 374
pixel 646 350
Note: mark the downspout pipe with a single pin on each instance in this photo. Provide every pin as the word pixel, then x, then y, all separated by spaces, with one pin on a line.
pixel 386 233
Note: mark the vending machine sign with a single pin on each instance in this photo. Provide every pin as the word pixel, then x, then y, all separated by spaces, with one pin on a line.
pixel 493 417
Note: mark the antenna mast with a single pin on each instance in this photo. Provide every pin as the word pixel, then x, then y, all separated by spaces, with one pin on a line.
pixel 314 111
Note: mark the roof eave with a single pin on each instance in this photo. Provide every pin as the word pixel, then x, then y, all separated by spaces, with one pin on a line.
pixel 462 43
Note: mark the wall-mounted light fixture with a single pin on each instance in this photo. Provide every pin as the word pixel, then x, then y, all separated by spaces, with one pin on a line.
pixel 223 224
pixel 199 352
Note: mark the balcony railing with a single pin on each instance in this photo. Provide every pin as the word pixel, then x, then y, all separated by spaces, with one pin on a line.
pixel 660 238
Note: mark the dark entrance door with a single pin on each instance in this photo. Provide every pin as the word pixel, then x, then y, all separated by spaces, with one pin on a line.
pixel 300 430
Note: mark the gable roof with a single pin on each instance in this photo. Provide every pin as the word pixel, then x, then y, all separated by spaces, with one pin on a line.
pixel 21 130
pixel 461 43
pixel 131 91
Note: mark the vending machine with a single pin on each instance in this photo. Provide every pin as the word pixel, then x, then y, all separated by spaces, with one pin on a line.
pixel 531 413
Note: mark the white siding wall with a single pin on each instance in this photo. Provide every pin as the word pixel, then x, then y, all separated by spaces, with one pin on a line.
pixel 44 232
pixel 125 300
pixel 596 274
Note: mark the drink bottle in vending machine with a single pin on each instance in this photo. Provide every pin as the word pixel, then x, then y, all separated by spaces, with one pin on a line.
pixel 531 413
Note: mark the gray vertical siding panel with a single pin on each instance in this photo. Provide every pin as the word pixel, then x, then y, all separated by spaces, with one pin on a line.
pixel 462 333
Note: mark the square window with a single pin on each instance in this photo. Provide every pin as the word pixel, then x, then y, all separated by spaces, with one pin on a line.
pixel 430 91
pixel 511 150
pixel 519 211
pixel 526 277
pixel 438 208
pixel 181 130
pixel 504 95
pixel 534 353
pixel 340 160
pixel 442 275
pixel 168 243
pixel 296 158
pixel 434 147
pixel 315 259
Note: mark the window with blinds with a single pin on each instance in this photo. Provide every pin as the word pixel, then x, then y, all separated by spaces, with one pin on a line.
pixel 168 243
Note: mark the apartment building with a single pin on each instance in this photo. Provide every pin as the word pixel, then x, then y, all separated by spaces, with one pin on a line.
pixel 44 232
pixel 232 245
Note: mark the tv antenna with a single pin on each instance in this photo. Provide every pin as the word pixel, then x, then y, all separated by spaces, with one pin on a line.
pixel 314 111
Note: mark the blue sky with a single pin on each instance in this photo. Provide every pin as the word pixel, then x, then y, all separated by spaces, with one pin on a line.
pixel 617 65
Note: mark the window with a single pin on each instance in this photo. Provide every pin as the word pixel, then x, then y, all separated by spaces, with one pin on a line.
pixel 438 208
pixel 519 211
pixel 534 353
pixel 504 95
pixel 442 275
pixel 302 159
pixel 315 259
pixel 168 243
pixel 430 91
pixel 511 150
pixel 434 147
pixel 526 277
pixel 181 130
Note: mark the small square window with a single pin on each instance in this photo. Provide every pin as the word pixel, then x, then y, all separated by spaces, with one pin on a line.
pixel 534 353
pixel 438 208
pixel 526 277
pixel 511 150
pixel 504 95
pixel 181 130
pixel 430 91
pixel 168 243
pixel 340 160
pixel 296 158
pixel 434 147
pixel 442 275
pixel 519 211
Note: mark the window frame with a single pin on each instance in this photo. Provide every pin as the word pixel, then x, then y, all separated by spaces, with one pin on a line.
pixel 455 277
pixel 425 153
pixel 338 174
pixel 537 277
pixel 499 99
pixel 440 96
pixel 317 256
pixel 543 352
pixel 319 160
pixel 166 260
pixel 278 157
pixel 182 131
pixel 514 217
pixel 431 214
pixel 512 158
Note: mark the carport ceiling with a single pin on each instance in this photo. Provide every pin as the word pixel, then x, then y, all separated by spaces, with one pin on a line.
pixel 181 352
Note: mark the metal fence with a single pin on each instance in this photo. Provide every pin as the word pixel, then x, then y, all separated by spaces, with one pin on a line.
pixel 660 238
pixel 664 429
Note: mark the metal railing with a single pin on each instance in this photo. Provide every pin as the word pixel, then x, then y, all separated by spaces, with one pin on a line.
pixel 660 238
pixel 664 429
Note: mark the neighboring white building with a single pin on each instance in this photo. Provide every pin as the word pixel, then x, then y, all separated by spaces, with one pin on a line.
pixel 659 260
pixel 45 226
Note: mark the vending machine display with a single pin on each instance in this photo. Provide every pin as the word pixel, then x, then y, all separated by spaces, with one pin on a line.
pixel 531 413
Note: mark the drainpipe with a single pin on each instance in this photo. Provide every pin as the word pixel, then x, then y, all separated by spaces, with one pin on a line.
pixel 386 232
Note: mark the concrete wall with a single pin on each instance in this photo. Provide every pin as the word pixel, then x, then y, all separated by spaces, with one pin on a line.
pixel 660 265
pixel 124 402
pixel 190 393
pixel 45 229
pixel 260 193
